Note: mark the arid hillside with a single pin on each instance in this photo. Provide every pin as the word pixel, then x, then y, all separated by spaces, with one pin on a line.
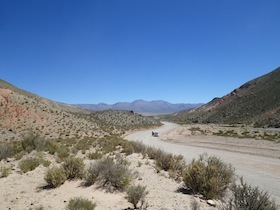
pixel 256 102
pixel 22 112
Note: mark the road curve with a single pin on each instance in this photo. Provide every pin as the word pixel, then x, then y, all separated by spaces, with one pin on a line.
pixel 260 171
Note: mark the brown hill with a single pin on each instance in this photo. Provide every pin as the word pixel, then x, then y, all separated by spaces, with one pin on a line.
pixel 257 102
pixel 22 112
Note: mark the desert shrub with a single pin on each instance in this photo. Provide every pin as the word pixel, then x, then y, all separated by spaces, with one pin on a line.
pixel 178 164
pixel 153 152
pixel 94 155
pixel 62 151
pixel 84 144
pixel 109 175
pixel 19 155
pixel 5 171
pixel 74 167
pixel 209 176
pixel 55 176
pixel 46 163
pixel 139 147
pixel 164 160
pixel 6 150
pixel 127 147
pixel 51 146
pixel 32 141
pixel 17 147
pixel 29 164
pixel 92 173
pixel 136 194
pixel 247 197
pixel 80 204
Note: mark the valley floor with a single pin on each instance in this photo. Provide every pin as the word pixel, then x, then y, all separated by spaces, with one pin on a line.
pixel 258 161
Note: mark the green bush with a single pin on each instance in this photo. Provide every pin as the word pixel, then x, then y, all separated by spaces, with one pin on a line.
pixel 178 164
pixel 32 141
pixel 84 144
pixel 46 163
pixel 127 147
pixel 29 164
pixel 62 151
pixel 74 167
pixel 109 175
pixel 139 147
pixel 92 174
pixel 209 176
pixel 51 146
pixel 175 164
pixel 5 171
pixel 80 204
pixel 55 176
pixel 6 150
pixel 94 155
pixel 136 194
pixel 251 198
pixel 153 153
pixel 164 160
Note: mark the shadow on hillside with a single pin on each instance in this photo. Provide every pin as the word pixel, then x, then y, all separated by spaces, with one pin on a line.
pixel 45 187
pixel 184 191
pixel 84 184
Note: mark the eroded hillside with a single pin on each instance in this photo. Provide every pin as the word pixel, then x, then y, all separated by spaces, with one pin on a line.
pixel 256 102
pixel 22 112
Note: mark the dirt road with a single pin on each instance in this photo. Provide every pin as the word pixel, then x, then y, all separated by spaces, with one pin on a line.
pixel 257 161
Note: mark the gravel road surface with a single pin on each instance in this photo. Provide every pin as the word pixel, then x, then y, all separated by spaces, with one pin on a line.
pixel 256 168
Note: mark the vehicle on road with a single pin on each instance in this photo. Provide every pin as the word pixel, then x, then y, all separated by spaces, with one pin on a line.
pixel 155 134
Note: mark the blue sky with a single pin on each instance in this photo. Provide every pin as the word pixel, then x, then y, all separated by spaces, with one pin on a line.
pixel 92 51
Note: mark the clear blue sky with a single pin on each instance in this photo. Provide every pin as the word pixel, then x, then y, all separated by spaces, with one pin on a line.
pixel 91 51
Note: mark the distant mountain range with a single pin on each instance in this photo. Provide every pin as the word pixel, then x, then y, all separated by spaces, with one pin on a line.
pixel 256 102
pixel 141 106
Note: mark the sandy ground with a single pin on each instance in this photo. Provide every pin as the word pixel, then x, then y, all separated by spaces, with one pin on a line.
pixel 258 161
pixel 20 191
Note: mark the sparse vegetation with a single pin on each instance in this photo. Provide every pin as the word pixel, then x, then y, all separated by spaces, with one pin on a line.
pixel 109 175
pixel 64 131
pixel 247 197
pixel 5 171
pixel 94 155
pixel 80 204
pixel 74 167
pixel 6 150
pixel 209 176
pixel 32 141
pixel 136 194
pixel 55 176
pixel 62 151
pixel 29 164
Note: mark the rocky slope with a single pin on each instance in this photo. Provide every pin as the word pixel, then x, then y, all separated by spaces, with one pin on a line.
pixel 257 102
pixel 22 112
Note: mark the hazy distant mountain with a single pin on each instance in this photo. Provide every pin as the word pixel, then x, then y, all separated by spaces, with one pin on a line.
pixel 141 106
pixel 257 101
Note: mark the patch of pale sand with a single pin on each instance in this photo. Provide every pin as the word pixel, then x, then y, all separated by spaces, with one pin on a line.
pixel 163 191
pixel 25 191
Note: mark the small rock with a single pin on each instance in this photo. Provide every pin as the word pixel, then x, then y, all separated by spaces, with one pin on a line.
pixel 211 203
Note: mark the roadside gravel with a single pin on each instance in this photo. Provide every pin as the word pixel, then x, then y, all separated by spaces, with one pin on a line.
pixel 257 161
